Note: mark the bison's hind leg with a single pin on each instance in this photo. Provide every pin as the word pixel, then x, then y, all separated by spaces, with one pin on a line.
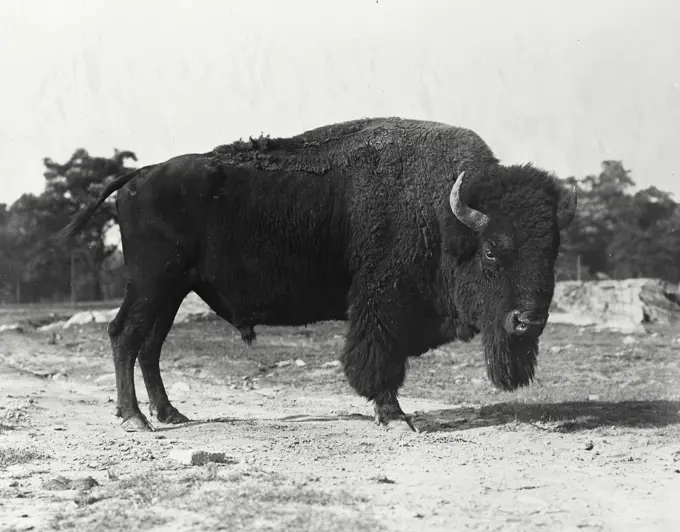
pixel 127 332
pixel 150 354
pixel 138 332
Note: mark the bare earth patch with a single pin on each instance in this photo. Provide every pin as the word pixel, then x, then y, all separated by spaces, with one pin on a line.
pixel 593 444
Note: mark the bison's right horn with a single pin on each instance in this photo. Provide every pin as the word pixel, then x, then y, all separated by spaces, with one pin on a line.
pixel 474 219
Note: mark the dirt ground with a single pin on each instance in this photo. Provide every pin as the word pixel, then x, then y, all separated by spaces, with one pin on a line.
pixel 593 444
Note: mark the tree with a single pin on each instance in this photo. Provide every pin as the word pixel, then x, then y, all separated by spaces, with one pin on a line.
pixel 621 234
pixel 71 187
pixel 647 241
pixel 45 269
pixel 605 203
pixel 7 263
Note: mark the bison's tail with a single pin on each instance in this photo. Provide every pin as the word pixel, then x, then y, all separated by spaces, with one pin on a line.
pixel 82 217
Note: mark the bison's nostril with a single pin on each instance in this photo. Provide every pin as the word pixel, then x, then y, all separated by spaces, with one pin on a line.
pixel 523 322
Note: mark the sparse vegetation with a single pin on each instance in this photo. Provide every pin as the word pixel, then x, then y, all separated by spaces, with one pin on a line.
pixel 215 498
pixel 19 455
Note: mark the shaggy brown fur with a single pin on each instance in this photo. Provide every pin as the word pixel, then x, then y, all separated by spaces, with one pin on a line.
pixel 348 221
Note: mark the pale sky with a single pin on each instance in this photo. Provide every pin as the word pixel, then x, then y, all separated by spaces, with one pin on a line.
pixel 562 84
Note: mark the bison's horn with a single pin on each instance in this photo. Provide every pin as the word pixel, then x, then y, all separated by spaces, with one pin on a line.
pixel 567 209
pixel 474 219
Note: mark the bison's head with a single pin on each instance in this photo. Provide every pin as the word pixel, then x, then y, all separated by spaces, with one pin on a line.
pixel 501 238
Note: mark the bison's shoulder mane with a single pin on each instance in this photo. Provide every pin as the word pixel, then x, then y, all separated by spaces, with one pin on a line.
pixel 303 152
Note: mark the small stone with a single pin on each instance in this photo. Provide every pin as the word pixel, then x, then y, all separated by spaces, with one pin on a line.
pixel 300 363
pixel 593 398
pixel 179 388
pixel 284 363
pixel 84 484
pixel 57 484
pixel 86 499
pixel 331 364
pixel 629 340
pixel 589 446
pixel 196 457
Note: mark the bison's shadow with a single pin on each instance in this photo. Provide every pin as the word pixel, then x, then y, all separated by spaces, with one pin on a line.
pixel 196 422
pixel 558 417
pixel 570 416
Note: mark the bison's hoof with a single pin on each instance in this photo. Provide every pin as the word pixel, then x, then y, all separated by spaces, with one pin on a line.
pixel 137 423
pixel 117 412
pixel 170 415
pixel 392 418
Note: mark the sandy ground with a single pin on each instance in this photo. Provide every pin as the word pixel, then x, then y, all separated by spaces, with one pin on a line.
pixel 302 453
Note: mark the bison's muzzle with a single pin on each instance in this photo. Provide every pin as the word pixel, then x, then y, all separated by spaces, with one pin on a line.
pixel 524 323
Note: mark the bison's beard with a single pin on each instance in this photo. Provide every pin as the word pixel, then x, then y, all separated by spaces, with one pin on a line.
pixel 510 360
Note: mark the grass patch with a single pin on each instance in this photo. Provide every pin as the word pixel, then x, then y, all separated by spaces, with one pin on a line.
pixel 217 498
pixel 13 456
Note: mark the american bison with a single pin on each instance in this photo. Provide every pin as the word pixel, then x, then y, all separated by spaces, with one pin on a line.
pixel 412 231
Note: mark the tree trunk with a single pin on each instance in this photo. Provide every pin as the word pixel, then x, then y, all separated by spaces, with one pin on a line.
pixel 97 264
pixel 98 292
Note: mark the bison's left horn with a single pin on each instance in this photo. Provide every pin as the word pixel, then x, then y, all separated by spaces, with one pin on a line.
pixel 567 209
pixel 474 219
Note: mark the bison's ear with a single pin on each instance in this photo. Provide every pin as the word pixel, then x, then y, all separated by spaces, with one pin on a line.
pixel 566 210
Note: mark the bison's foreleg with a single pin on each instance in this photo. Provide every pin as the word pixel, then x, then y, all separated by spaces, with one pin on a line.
pixel 374 358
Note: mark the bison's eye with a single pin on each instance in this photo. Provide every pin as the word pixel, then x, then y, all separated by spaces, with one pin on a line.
pixel 489 255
